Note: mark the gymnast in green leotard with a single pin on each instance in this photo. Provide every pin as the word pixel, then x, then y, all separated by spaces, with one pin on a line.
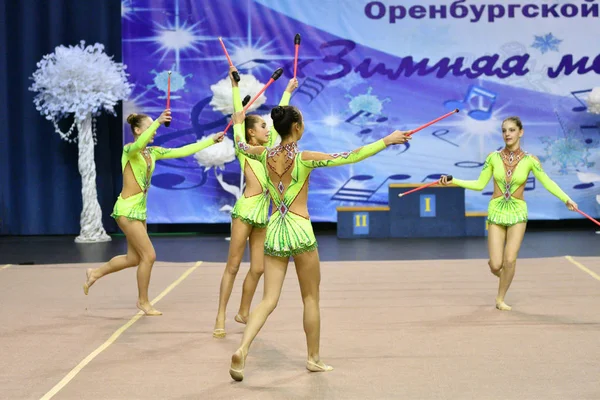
pixel 289 232
pixel 507 211
pixel 137 162
pixel 250 214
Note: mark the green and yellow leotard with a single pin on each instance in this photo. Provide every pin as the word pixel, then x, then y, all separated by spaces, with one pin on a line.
pixel 290 231
pixel 253 210
pixel 510 171
pixel 142 160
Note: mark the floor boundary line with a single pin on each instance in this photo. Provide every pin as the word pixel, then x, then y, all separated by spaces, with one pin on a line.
pixel 69 377
pixel 583 268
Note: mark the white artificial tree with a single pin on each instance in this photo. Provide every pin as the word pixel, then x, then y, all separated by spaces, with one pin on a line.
pixel 82 81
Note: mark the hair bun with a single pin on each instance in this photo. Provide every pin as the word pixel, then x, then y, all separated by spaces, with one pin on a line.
pixel 131 118
pixel 277 113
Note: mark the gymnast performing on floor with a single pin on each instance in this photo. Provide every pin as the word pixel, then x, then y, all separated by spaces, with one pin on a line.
pixel 138 162
pixel 507 210
pixel 250 213
pixel 289 231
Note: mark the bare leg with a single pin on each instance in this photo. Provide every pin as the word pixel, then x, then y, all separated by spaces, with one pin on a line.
pixel 131 259
pixel 275 269
pixel 257 267
pixel 138 236
pixel 496 241
pixel 514 238
pixel 239 234
pixel 308 269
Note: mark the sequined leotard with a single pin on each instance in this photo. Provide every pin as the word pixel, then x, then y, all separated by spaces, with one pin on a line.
pixel 142 160
pixel 510 171
pixel 289 231
pixel 254 209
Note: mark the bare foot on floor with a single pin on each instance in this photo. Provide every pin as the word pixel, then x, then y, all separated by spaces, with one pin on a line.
pixel 89 280
pixel 502 306
pixel 219 330
pixel 148 309
pixel 318 366
pixel 238 362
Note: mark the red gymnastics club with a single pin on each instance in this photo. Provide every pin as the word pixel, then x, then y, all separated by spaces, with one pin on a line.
pixel 168 123
pixel 274 77
pixel 235 74
pixel 297 46
pixel 588 217
pixel 424 187
pixel 433 122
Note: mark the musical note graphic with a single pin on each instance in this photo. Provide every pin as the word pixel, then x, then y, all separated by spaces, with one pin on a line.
pixel 530 180
pixel 583 105
pixel 365 114
pixel 591 139
pixel 588 179
pixel 581 186
pixel 288 68
pixel 480 111
pixel 308 85
pixel 406 147
pixel 352 189
pixel 443 132
pixel 366 119
pixel 468 164
pixel 434 177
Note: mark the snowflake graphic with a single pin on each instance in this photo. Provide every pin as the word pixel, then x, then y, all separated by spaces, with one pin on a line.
pixel 546 43
pixel 366 112
pixel 161 82
pixel 565 152
pixel 366 102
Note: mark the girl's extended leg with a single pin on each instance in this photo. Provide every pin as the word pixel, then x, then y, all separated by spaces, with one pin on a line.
pixel 240 231
pixel 131 259
pixel 275 269
pixel 257 267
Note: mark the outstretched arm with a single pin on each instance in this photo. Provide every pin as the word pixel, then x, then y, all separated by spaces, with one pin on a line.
pixel 482 181
pixel 188 150
pixel 239 134
pixel 549 184
pixel 314 159
pixel 143 140
pixel 285 100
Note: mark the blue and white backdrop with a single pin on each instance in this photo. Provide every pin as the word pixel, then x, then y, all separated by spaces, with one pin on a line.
pixel 367 68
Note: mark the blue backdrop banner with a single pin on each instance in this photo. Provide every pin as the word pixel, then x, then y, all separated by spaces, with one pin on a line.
pixel 366 68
